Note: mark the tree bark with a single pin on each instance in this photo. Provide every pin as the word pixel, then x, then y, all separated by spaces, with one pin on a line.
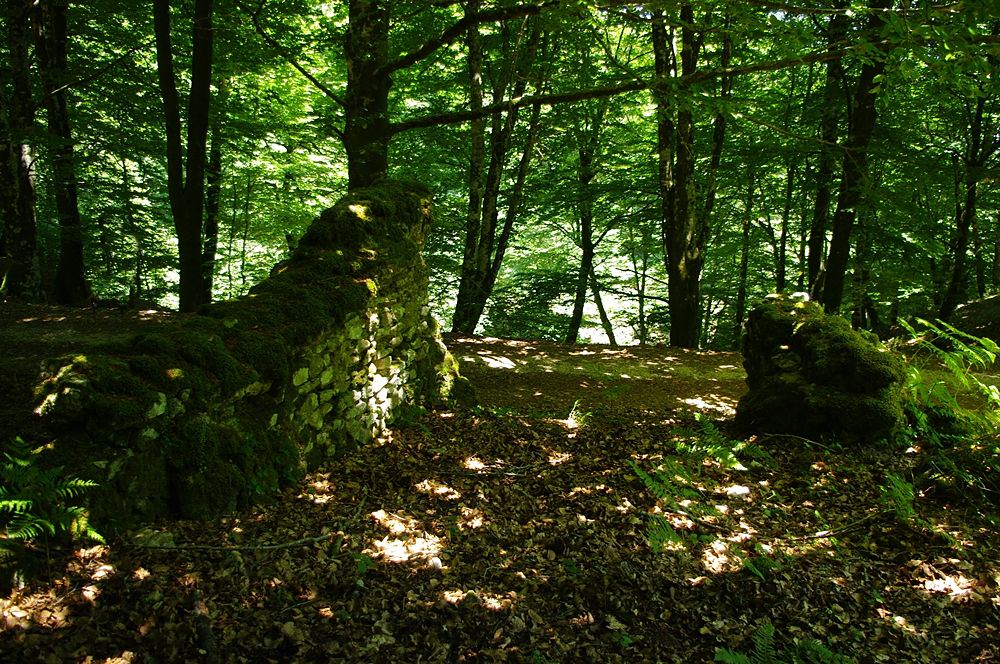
pixel 609 328
pixel 855 169
pixel 741 289
pixel 585 210
pixel 685 228
pixel 836 30
pixel 20 276
pixel 213 193
pixel 957 283
pixel 996 253
pixel 786 213
pixel 484 249
pixel 366 128
pixel 49 22
pixel 980 149
pixel 186 177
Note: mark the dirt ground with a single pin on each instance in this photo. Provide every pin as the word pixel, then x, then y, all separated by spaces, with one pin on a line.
pixel 523 531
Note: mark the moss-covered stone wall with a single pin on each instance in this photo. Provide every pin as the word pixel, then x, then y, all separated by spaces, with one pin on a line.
pixel 227 406
pixel 811 375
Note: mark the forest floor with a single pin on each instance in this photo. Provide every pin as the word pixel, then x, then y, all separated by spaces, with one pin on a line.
pixel 520 532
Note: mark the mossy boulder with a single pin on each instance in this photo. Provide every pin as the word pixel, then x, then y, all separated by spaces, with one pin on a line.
pixel 813 376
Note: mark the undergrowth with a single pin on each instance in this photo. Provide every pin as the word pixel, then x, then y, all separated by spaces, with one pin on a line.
pixel 960 442
pixel 808 651
pixel 35 507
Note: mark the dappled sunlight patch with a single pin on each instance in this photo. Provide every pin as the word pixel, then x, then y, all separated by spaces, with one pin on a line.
pixel 474 463
pixel 711 403
pixel 900 623
pixel 318 489
pixel 423 549
pixel 436 489
pixel 396 524
pixel 498 362
pixel 556 457
pixel 716 558
pixel 471 518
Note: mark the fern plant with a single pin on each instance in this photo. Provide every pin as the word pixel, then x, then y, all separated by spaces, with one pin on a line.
pixel 808 651
pixel 35 502
pixel 898 495
pixel 963 443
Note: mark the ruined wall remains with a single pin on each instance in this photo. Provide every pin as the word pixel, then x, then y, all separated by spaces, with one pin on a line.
pixel 229 405
pixel 811 375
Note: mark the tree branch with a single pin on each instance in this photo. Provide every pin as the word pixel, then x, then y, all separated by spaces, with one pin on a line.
pixel 274 44
pixel 458 117
pixel 458 28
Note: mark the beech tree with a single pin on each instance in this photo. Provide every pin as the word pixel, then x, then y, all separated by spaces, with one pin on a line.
pixel 186 161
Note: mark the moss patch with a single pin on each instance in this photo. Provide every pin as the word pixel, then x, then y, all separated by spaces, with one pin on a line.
pixel 225 407
pixel 811 375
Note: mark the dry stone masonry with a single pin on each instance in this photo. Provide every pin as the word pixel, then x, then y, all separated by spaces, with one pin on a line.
pixel 227 406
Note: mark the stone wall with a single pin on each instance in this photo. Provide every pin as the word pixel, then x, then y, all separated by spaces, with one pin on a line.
pixel 225 407
pixel 811 375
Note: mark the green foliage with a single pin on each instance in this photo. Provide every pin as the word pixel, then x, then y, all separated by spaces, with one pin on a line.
pixel 672 482
pixel 898 495
pixel 708 442
pixel 953 412
pixel 35 502
pixel 809 651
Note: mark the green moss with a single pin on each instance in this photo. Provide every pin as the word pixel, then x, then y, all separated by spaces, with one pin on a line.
pixel 812 375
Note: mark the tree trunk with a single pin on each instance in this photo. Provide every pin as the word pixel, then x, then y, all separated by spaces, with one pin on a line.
pixel 977 253
pixel 980 148
pixel 957 284
pixel 464 305
pixel 609 328
pixel 996 254
pixel 20 276
pixel 786 212
pixel 213 193
pixel 186 177
pixel 585 210
pixel 484 249
pixel 855 170
pixel 366 128
pixel 836 31
pixel 685 229
pixel 741 290
pixel 50 46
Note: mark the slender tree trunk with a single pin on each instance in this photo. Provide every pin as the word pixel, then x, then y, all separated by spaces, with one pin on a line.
pixel 741 290
pixel 186 177
pixel 609 328
pixel 484 249
pixel 855 170
pixel 50 45
pixel 514 200
pixel 977 254
pixel 836 31
pixel 981 147
pixel 957 284
pixel 860 273
pixel 20 276
pixel 585 210
pixel 462 318
pixel 685 228
pixel 213 193
pixel 786 213
pixel 996 253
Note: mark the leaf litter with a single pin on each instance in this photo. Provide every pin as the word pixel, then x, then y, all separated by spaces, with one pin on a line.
pixel 519 532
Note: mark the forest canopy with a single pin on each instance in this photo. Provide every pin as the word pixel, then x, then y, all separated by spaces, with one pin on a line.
pixel 610 171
